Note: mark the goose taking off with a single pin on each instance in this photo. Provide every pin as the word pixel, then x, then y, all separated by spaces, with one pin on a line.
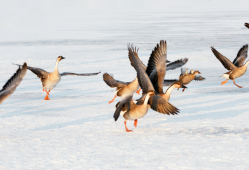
pixel 13 82
pixel 140 110
pixel 50 80
pixel 236 67
pixel 123 89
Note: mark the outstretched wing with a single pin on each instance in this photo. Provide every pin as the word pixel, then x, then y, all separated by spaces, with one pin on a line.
pixel 224 61
pixel 123 103
pixel 13 82
pixel 110 81
pixel 199 78
pixel 76 74
pixel 169 82
pixel 241 56
pixel 247 25
pixel 160 105
pixel 42 74
pixel 135 52
pixel 156 69
pixel 176 64
pixel 143 79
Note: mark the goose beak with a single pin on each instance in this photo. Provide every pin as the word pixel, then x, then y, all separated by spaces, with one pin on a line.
pixel 62 58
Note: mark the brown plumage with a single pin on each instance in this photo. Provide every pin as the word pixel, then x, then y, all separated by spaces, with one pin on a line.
pixel 237 68
pixel 13 82
pixel 247 25
pixel 123 89
pixel 156 68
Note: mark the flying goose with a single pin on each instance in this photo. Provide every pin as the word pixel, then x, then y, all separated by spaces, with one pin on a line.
pixel 123 89
pixel 247 25
pixel 137 111
pixel 236 67
pixel 50 80
pixel 129 104
pixel 171 66
pixel 13 82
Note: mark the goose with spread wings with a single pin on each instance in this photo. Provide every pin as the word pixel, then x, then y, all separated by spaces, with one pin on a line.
pixel 186 77
pixel 13 82
pixel 236 68
pixel 137 111
pixel 50 80
pixel 124 89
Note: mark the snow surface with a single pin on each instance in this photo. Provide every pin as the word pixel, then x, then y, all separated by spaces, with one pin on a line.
pixel 76 130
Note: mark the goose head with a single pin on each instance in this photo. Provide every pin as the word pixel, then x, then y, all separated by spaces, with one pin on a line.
pixel 196 72
pixel 60 58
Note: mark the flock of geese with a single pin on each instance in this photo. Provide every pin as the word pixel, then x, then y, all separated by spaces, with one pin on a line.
pixel 149 78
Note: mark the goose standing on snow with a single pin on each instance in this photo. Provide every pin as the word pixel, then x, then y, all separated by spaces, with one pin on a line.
pixel 50 80
pixel 13 82
pixel 236 67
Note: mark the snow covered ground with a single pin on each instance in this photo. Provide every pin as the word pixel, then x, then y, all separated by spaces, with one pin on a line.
pixel 76 130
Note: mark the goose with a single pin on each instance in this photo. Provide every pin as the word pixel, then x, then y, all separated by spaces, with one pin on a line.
pixel 247 25
pixel 236 68
pixel 136 111
pixel 13 82
pixel 123 89
pixel 130 104
pixel 50 80
pixel 185 78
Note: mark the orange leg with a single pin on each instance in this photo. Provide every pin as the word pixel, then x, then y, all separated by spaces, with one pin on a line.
pixel 138 91
pixel 224 82
pixel 112 99
pixel 135 122
pixel 236 84
pixel 127 130
pixel 183 89
pixel 46 97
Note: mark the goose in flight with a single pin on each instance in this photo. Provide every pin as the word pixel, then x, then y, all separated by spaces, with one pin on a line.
pixel 136 111
pixel 236 68
pixel 124 89
pixel 50 80
pixel 185 78
pixel 13 82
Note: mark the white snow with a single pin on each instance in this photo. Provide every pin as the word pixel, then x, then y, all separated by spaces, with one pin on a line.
pixel 76 129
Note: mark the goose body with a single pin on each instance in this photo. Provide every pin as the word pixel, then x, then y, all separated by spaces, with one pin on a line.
pixel 50 80
pixel 123 89
pixel 236 68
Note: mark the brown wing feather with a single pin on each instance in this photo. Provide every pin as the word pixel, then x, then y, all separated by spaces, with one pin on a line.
pixel 123 103
pixel 199 78
pixel 241 56
pixel 160 105
pixel 143 78
pixel 135 52
pixel 176 64
pixel 157 66
pixel 79 74
pixel 247 25
pixel 13 82
pixel 224 61
pixel 110 81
